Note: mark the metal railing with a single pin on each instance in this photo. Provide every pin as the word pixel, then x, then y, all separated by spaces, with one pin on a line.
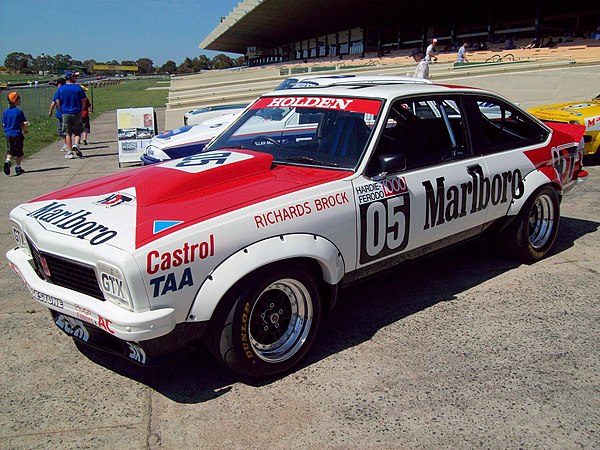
pixel 35 100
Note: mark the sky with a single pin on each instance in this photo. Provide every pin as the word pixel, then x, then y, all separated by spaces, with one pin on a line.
pixel 106 30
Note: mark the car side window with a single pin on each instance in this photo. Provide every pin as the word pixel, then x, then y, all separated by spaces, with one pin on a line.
pixel 501 126
pixel 425 131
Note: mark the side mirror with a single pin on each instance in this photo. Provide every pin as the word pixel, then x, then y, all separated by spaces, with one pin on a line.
pixel 393 163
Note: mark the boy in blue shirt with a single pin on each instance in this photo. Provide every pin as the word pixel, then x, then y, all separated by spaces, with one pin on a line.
pixel 15 125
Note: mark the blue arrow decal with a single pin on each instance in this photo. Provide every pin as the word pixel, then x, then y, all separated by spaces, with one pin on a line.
pixel 162 225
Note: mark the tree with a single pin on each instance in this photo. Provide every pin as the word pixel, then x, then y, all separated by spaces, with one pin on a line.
pixel 145 65
pixel 19 62
pixel 169 67
pixel 62 62
pixel 240 61
pixel 183 69
pixel 89 65
pixel 222 61
pixel 44 63
pixel 201 63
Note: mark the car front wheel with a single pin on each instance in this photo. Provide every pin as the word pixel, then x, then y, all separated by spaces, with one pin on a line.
pixel 267 325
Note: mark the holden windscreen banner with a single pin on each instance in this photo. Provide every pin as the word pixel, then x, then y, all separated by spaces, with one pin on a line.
pixel 359 105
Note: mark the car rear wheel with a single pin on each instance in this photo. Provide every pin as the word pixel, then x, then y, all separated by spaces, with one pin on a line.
pixel 534 230
pixel 269 324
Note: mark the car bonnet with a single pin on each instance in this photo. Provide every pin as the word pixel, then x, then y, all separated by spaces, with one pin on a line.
pixel 131 209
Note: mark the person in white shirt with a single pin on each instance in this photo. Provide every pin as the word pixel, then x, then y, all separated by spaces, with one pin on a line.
pixel 422 69
pixel 429 52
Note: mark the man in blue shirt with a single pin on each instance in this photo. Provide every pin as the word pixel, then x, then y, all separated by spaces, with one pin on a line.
pixel 70 100
pixel 14 123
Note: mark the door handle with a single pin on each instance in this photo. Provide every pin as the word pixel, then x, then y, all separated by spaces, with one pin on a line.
pixel 475 168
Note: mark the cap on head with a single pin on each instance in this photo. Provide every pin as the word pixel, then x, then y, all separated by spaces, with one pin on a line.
pixel 434 41
pixel 71 74
pixel 13 97
pixel 416 51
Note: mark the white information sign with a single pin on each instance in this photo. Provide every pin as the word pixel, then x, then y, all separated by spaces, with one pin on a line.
pixel 135 129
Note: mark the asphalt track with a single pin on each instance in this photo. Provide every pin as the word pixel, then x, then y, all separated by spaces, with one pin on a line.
pixel 466 349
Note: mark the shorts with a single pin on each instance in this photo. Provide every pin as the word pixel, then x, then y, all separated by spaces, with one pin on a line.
pixel 72 123
pixel 61 133
pixel 15 145
pixel 86 124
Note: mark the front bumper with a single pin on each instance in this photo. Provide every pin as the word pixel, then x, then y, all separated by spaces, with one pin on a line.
pixel 114 320
pixel 144 353
pixel 147 160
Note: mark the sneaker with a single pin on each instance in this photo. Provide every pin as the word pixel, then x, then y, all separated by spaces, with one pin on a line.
pixel 84 142
pixel 64 148
pixel 19 170
pixel 70 155
pixel 7 167
pixel 77 151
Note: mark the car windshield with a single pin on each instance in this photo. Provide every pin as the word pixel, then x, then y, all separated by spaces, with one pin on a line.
pixel 320 131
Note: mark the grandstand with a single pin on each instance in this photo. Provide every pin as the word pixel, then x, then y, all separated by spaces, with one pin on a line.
pixel 256 22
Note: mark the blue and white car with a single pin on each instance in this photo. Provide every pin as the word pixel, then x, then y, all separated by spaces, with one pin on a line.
pixel 184 141
pixel 201 115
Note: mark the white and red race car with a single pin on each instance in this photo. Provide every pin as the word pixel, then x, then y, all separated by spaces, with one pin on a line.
pixel 246 244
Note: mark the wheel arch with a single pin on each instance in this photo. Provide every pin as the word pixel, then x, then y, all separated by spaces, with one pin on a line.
pixel 312 250
pixel 531 183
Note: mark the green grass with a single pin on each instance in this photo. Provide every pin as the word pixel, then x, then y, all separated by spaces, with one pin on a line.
pixel 130 94
pixel 11 79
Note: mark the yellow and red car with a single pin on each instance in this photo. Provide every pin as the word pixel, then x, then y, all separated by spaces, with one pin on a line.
pixel 584 113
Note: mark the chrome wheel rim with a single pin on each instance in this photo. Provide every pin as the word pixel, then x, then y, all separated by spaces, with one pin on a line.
pixel 280 320
pixel 541 221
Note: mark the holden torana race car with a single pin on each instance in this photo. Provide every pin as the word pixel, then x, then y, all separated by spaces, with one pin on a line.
pixel 584 113
pixel 247 244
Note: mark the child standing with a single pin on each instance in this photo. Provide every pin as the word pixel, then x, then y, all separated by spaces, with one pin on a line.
pixel 15 126
pixel 85 116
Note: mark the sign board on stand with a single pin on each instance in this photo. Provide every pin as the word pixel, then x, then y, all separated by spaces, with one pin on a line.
pixel 135 128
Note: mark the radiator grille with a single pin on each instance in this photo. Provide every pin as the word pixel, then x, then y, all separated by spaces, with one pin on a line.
pixel 66 273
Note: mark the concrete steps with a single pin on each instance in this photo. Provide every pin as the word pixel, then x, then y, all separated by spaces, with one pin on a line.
pixel 239 86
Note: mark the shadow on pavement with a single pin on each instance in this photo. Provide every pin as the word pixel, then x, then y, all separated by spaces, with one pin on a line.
pixel 47 169
pixel 92 147
pixel 362 311
pixel 99 154
pixel 100 142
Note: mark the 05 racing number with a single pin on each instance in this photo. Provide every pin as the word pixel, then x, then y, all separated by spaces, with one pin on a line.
pixel 384 220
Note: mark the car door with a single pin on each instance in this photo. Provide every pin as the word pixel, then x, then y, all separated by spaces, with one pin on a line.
pixel 503 135
pixel 431 199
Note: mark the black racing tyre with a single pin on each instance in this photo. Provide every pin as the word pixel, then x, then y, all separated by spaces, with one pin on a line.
pixel 531 236
pixel 267 325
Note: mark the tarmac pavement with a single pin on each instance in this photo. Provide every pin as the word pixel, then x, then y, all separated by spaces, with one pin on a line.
pixel 465 349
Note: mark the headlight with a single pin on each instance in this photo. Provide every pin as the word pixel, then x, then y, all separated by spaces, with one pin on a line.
pixel 19 237
pixel 113 285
